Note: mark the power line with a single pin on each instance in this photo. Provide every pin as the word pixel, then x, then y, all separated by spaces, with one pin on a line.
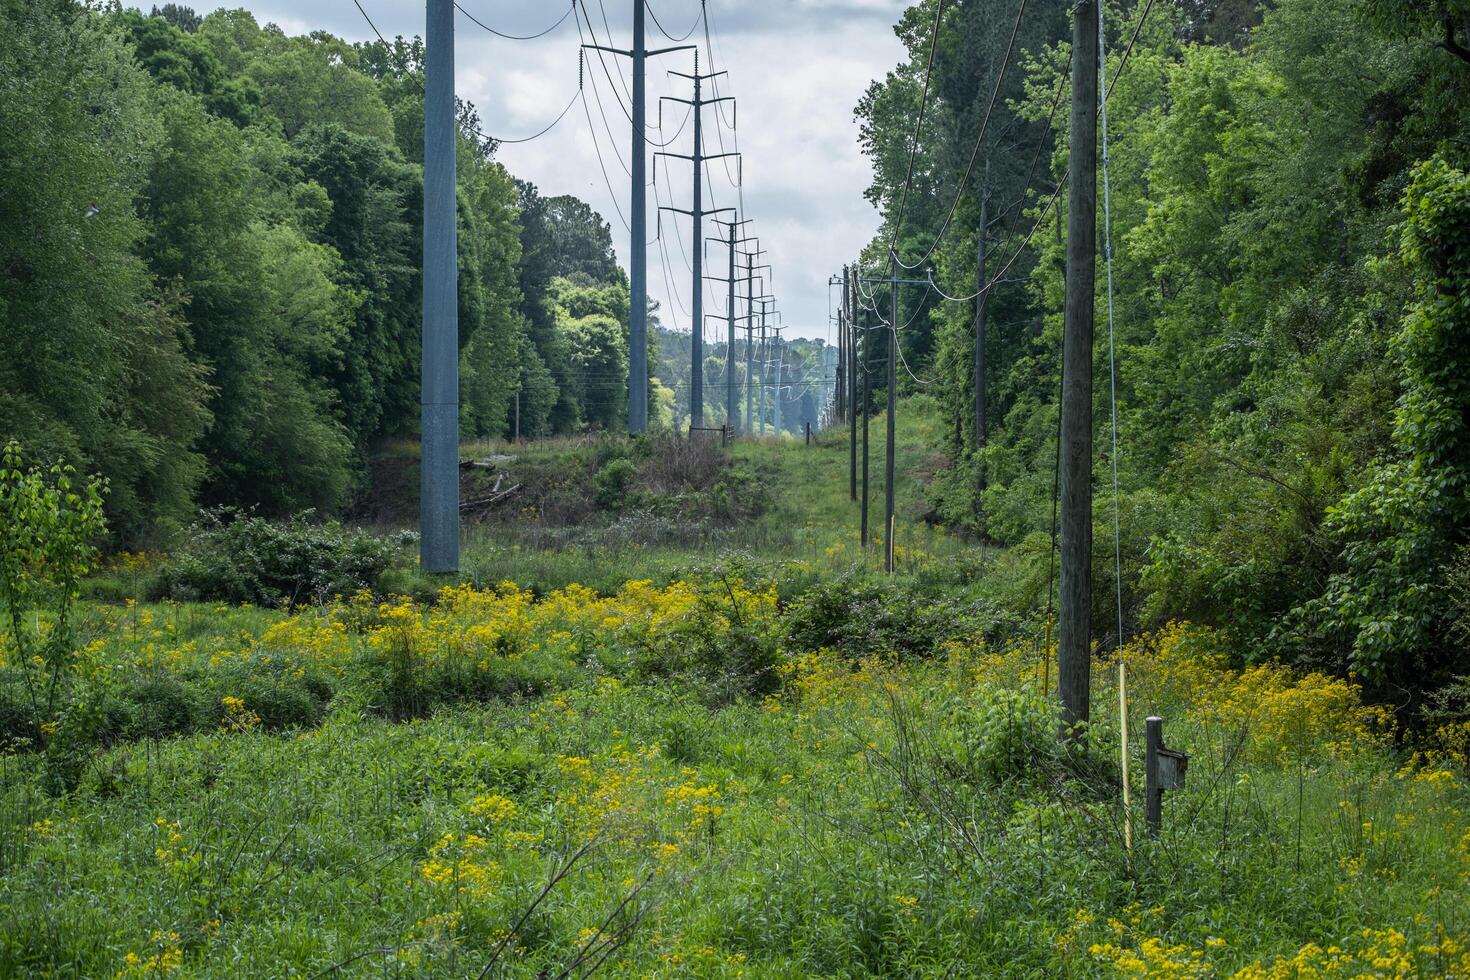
pixel 549 127
pixel 369 20
pixel 665 33
pixel 1128 50
pixel 592 131
pixel 918 129
pixel 516 37
pixel 979 139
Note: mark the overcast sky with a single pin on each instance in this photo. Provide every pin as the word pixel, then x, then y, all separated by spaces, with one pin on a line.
pixel 797 68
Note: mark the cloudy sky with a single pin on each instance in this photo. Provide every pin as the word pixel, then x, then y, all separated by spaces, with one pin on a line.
pixel 797 68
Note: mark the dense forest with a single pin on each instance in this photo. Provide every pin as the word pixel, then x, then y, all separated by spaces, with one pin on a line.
pixel 213 272
pixel 1290 216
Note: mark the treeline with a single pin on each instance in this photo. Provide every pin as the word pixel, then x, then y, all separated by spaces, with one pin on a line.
pixel 210 272
pixel 1291 236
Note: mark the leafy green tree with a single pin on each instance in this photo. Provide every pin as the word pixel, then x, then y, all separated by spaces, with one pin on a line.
pixel 49 530
pixel 376 203
pixel 314 81
pixel 98 374
pixel 600 356
pixel 187 62
pixel 1402 529
pixel 267 314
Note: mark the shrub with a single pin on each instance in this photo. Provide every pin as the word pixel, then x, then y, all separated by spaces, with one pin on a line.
pixel 1005 730
pixel 238 557
pixel 613 482
pixel 862 617
pixel 48 533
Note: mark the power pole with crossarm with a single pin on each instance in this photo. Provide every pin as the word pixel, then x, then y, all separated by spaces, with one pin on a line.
pixel 697 213
pixel 638 244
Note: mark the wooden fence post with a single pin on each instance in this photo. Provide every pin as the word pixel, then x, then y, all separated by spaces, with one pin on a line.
pixel 1163 769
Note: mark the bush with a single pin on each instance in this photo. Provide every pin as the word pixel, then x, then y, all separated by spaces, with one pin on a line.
pixel 237 557
pixel 613 482
pixel 861 617
pixel 1005 730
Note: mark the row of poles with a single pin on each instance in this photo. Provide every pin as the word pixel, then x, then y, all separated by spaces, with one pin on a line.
pixel 854 380
pixel 439 408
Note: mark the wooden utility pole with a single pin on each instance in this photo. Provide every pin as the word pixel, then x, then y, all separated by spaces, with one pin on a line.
pixel 849 368
pixel 1074 652
pixel 888 467
pixel 982 306
pixel 866 385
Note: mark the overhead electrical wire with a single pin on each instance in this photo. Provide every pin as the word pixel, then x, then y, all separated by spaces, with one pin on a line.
pixel 918 130
pixel 664 31
pixel 369 20
pixel 592 131
pixel 549 127
pixel 622 105
pixel 516 37
pixel 1102 70
pixel 974 152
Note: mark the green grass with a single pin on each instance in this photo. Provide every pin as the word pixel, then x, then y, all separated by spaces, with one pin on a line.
pixel 846 832
pixel 889 801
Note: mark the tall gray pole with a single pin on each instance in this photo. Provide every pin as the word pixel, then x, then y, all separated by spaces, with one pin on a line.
pixel 1074 651
pixel 776 392
pixel 888 508
pixel 730 418
pixel 764 357
pixel 638 247
pixel 749 340
pixel 696 367
pixel 439 381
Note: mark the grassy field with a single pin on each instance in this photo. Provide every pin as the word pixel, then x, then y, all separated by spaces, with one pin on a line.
pixel 756 761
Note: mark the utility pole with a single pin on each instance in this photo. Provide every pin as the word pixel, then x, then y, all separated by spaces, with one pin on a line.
pixel 893 282
pixel 888 508
pixel 751 299
pixel 764 356
pixel 867 385
pixel 850 404
pixel 697 214
pixel 732 243
pixel 638 244
pixel 439 366
pixel 982 306
pixel 1074 651
pixel 851 368
pixel 749 339
pixel 776 393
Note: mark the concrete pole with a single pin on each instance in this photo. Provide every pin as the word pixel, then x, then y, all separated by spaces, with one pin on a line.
pixel 1074 650
pixel 638 247
pixel 439 380
pixel 764 357
pixel 730 418
pixel 696 346
pixel 776 393
pixel 749 341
